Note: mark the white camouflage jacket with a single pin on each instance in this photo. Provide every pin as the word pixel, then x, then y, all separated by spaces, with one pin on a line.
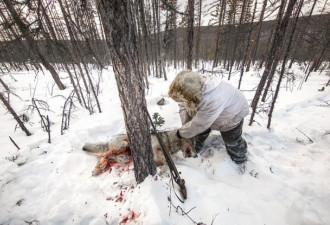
pixel 207 102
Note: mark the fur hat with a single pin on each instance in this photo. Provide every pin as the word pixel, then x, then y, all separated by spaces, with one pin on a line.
pixel 187 88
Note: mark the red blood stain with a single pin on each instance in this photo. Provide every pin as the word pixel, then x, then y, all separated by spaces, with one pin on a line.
pixel 131 216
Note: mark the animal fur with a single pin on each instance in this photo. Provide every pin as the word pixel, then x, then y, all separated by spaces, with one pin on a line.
pixel 187 88
pixel 118 150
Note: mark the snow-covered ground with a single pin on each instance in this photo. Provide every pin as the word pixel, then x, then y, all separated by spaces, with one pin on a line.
pixel 287 177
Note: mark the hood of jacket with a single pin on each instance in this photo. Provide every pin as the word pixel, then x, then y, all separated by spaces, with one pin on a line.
pixel 188 88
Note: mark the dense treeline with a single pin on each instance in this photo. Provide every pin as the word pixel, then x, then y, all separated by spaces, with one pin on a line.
pixel 11 51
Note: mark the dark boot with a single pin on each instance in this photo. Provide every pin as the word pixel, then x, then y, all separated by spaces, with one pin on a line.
pixel 236 146
pixel 200 138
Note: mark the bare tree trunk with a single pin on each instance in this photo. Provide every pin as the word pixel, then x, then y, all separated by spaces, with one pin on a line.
pixel 146 38
pixel 274 51
pixel 174 3
pixel 324 46
pixel 77 49
pixel 247 46
pixel 4 85
pixel 190 33
pixel 236 38
pixel 58 52
pixel 221 17
pixel 301 36
pixel 198 33
pixel 120 35
pixel 13 113
pixel 26 32
pixel 159 45
pixel 232 19
pixel 286 56
pixel 155 39
pixel 254 47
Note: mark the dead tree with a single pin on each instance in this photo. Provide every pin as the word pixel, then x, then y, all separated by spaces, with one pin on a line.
pixel 236 38
pixel 285 58
pixel 198 33
pixel 190 33
pixel 175 38
pixel 301 35
pixel 67 19
pixel 34 47
pixel 271 61
pixel 146 37
pixel 254 47
pixel 247 45
pixel 120 33
pixel 222 8
pixel 14 114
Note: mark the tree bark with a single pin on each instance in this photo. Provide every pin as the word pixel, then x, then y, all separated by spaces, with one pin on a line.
pixel 247 46
pixel 236 38
pixel 256 38
pixel 190 33
pixel 222 8
pixel 120 35
pixel 146 38
pixel 198 33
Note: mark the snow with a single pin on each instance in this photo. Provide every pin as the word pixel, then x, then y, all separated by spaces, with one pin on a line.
pixel 286 179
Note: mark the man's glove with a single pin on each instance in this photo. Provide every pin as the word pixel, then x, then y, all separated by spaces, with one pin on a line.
pixel 178 134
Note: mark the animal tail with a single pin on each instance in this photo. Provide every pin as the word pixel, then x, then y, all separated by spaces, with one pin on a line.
pixel 96 148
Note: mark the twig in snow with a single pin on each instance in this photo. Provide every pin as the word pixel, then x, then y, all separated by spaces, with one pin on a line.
pixel 183 213
pixel 14 143
pixel 66 113
pixel 32 222
pixel 306 136
pixel 45 122
pixel 48 128
pixel 13 157
pixel 326 103
pixel 214 218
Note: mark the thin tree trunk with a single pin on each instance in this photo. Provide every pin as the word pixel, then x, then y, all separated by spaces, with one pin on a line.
pixel 73 41
pixel 155 39
pixel 146 38
pixel 247 46
pixel 236 38
pixel 274 51
pixel 26 32
pixel 13 113
pixel 4 85
pixel 287 52
pixel 198 34
pixel 190 33
pixel 301 36
pixel 174 3
pixel 219 31
pixel 255 43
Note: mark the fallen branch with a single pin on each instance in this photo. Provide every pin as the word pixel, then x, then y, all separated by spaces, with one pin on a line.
pixel 306 136
pixel 179 208
pixel 183 213
pixel 14 143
